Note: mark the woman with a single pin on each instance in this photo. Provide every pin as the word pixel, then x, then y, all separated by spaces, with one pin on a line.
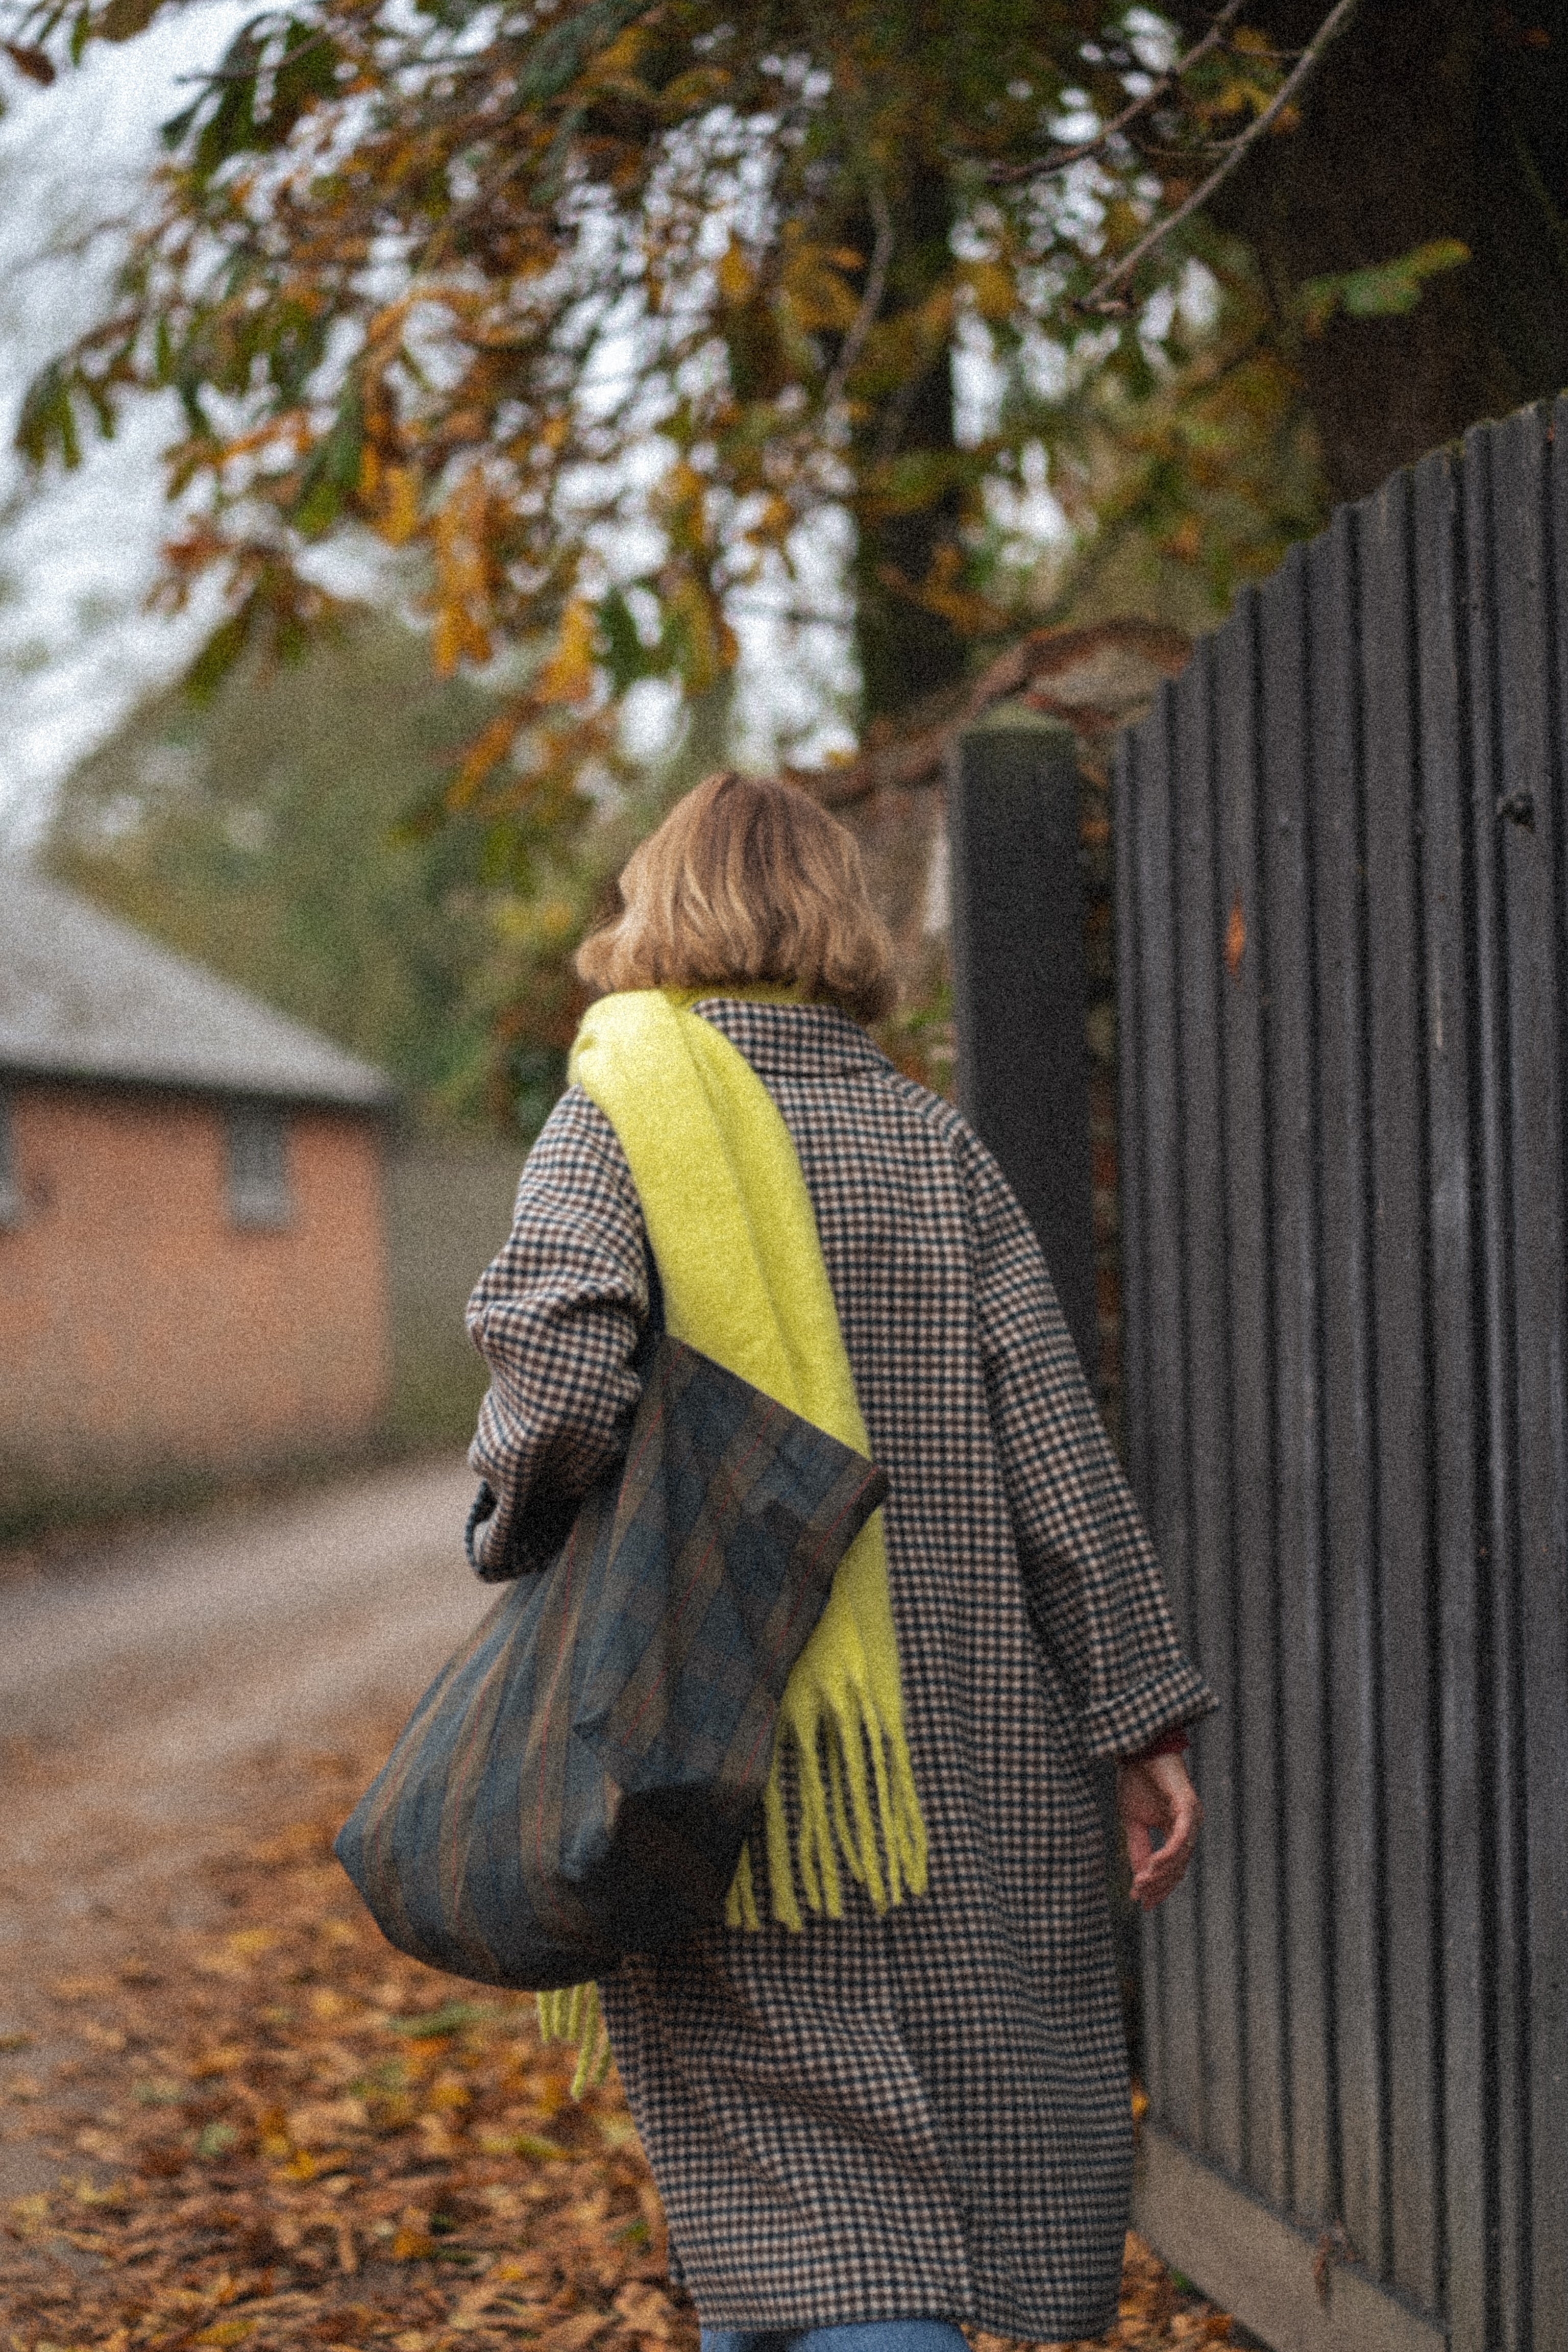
pixel 880 2124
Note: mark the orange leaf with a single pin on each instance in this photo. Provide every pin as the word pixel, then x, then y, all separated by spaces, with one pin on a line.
pixel 489 748
pixel 1234 938
pixel 990 283
pixel 456 635
pixel 399 517
pixel 734 274
pixel 568 675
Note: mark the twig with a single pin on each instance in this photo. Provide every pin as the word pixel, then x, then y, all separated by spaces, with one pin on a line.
pixel 875 286
pixel 1058 159
pixel 1100 296
pixel 212 76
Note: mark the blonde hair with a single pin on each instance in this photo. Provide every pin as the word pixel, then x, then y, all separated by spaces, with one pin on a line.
pixel 747 879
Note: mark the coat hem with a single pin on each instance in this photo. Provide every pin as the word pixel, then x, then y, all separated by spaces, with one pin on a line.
pixel 1059 2325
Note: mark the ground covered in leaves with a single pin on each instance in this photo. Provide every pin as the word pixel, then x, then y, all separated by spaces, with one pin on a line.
pixel 273 2132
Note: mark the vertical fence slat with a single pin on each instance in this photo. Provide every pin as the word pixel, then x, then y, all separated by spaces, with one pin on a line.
pixel 1249 1293
pixel 1353 1268
pixel 1175 2084
pixel 1458 1404
pixel 1398 1158
pixel 1287 837
pixel 1489 691
pixel 1530 852
pixel 1347 1403
pixel 1200 928
pixel 1547 1413
pixel 1128 812
pixel 1131 1083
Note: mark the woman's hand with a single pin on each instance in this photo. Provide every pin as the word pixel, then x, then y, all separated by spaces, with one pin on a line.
pixel 1156 1795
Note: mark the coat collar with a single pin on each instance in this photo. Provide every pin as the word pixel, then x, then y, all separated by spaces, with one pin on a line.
pixel 793 1041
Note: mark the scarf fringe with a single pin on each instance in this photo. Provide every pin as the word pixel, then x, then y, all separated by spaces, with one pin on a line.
pixel 836 1818
pixel 574 2014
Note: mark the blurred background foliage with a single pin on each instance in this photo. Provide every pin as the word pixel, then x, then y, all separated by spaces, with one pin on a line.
pixel 258 832
pixel 720 383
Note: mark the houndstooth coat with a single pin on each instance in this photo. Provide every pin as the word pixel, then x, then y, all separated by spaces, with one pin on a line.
pixel 924 2113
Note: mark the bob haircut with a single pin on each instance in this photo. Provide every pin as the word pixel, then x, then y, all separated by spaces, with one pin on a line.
pixel 747 879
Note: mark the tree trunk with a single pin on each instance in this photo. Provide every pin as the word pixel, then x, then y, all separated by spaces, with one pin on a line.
pixel 906 651
pixel 1429 118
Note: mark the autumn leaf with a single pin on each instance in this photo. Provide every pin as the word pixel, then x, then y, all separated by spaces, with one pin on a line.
pixel 515 2230
pixel 568 675
pixel 734 273
pixel 520 306
pixel 397 514
pixel 1234 938
pixel 36 64
pixel 992 288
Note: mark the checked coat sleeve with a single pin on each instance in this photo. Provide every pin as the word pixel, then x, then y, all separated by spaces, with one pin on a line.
pixel 556 1317
pixel 1090 1577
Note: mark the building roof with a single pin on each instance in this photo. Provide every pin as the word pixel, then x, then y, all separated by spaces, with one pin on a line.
pixel 85 996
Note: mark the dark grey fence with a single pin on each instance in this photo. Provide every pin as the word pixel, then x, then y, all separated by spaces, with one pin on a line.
pixel 1018 973
pixel 1342 933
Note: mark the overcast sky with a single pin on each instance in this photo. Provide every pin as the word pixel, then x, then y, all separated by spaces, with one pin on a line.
pixel 75 649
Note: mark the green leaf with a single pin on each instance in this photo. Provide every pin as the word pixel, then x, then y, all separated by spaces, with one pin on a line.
pixel 1381 290
pixel 543 2151
pixel 177 128
pixel 229 129
pixel 307 72
pixel 331 471
pixel 561 54
pixel 47 424
pixel 219 655
pixel 450 2018
pixel 625 656
pixel 913 479
pixel 123 19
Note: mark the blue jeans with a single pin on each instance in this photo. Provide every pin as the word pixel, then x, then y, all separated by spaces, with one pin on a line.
pixel 867 2336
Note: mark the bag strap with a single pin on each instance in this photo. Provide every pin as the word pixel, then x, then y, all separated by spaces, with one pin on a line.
pixel 653 1330
pixel 538 1532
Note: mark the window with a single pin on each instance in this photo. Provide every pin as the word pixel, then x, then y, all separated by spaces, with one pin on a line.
pixel 258 1165
pixel 10 1189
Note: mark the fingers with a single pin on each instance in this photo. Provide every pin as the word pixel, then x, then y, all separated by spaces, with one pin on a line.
pixel 1159 1871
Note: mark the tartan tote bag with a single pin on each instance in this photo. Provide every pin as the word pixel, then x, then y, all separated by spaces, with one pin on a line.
pixel 578 1781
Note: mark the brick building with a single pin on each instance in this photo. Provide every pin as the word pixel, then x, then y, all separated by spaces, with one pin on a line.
pixel 193 1248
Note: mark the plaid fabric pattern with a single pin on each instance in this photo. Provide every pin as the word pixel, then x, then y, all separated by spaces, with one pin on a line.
pixel 924 2113
pixel 618 1711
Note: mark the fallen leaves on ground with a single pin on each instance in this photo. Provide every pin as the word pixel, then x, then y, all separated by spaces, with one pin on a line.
pixel 281 2135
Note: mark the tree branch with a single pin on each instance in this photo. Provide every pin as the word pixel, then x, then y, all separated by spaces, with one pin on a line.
pixel 560 54
pixel 212 77
pixel 1004 174
pixel 875 286
pixel 1101 297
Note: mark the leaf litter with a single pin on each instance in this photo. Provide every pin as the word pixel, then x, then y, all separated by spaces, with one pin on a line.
pixel 277 2133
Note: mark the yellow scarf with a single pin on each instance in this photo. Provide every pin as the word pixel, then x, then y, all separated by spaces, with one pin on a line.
pixel 732 1233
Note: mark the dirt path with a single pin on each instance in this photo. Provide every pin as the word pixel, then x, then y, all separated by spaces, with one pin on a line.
pixel 227 2113
pixel 181 1691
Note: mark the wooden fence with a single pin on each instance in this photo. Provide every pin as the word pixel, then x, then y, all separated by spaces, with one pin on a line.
pixel 1342 941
